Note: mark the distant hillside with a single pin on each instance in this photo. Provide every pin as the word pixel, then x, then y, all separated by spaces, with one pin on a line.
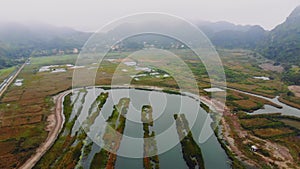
pixel 283 43
pixel 228 35
pixel 221 34
pixel 18 40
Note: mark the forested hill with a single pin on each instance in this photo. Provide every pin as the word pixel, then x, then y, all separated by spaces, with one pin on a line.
pixel 19 40
pixel 228 35
pixel 283 43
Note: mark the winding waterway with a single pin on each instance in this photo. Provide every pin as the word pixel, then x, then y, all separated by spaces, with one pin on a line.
pixel 285 110
pixel 164 107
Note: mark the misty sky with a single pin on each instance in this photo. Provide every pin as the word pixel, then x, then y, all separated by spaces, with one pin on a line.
pixel 92 14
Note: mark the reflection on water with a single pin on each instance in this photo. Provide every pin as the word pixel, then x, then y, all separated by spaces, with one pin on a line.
pixel 285 110
pixel 164 106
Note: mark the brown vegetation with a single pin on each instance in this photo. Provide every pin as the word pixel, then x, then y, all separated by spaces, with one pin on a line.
pixel 24 111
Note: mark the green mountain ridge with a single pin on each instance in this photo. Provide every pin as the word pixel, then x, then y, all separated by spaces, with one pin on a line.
pixel 21 41
pixel 282 44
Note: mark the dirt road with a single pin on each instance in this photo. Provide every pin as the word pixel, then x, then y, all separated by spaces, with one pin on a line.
pixel 54 128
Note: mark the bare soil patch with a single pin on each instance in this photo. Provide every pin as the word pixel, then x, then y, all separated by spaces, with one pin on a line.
pixel 295 89
pixel 271 67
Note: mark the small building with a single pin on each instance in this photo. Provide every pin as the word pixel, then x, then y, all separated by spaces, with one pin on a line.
pixel 214 89
pixel 61 52
pixel 75 51
pixel 254 148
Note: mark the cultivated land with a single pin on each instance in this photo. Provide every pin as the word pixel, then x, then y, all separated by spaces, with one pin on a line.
pixel 54 127
pixel 5 72
pixel 25 109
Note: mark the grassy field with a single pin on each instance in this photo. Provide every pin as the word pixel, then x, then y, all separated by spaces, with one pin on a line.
pixel 272 132
pixel 290 122
pixel 240 68
pixel 255 122
pixel 290 100
pixel 241 102
pixel 54 60
pixel 283 130
pixel 4 73
pixel 24 110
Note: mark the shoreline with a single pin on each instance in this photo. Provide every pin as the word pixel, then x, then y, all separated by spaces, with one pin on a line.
pixel 56 124
pixel 216 105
